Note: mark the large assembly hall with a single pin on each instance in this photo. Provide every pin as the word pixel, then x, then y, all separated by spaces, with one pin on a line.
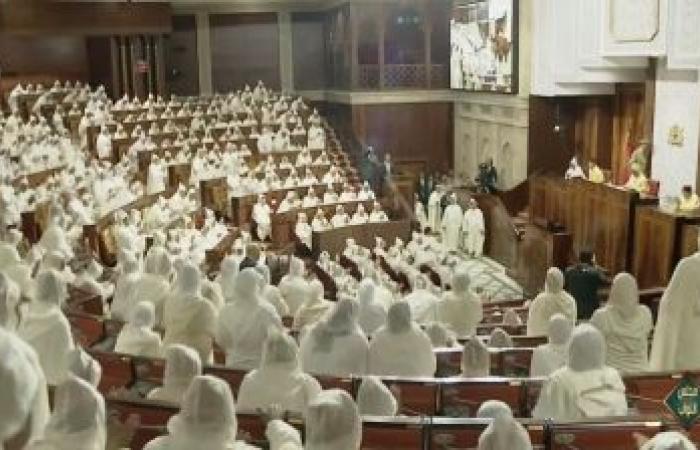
pixel 349 224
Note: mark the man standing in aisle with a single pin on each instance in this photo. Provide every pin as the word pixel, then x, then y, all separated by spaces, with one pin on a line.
pixel 582 281
pixel 474 230
pixel 452 224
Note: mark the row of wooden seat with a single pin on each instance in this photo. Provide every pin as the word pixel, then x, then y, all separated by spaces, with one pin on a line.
pixel 417 433
pixel 443 397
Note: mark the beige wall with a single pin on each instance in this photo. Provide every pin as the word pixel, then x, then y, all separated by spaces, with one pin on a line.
pixel 496 125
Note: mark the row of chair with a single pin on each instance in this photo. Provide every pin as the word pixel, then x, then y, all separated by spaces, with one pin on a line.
pixel 419 433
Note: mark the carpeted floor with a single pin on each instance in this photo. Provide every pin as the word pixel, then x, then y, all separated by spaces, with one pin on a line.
pixel 490 277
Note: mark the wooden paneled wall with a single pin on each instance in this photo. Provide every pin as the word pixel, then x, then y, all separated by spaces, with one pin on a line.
pixel 409 131
pixel 244 49
pixel 181 60
pixel 309 50
pixel 593 130
pixel 597 128
pixel 549 151
pixel 630 124
pixel 599 217
pixel 43 17
pixel 64 57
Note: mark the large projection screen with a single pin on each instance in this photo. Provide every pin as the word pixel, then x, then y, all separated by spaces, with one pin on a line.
pixel 484 45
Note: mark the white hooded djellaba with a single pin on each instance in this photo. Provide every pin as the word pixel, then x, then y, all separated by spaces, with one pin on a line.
pixel 675 345
pixel 46 328
pixel 476 359
pixel 626 325
pixel 182 364
pixel 375 399
pixel 23 393
pixel 279 380
pixel 585 387
pixel 554 300
pixel 371 313
pixel 189 318
pixel 504 432
pixel 244 323
pixel 137 336
pixel 460 309
pixel 398 338
pixel 207 419
pixel 78 421
pixel 293 285
pixel 333 423
pixel 549 357
pixel 336 345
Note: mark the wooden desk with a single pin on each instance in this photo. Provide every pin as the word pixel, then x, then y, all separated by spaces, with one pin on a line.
pixel 333 241
pixel 283 223
pixel 599 217
pixel 661 239
pixel 242 206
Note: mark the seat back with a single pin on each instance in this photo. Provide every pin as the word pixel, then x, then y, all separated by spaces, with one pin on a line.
pixel 601 434
pixel 416 397
pixel 461 397
pixel 394 433
pixel 463 434
pixel 118 371
pixel 233 377
pixel 88 330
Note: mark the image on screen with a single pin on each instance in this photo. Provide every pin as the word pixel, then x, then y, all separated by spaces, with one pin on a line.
pixel 483 38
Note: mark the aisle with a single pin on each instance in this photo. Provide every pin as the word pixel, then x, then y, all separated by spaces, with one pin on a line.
pixel 490 276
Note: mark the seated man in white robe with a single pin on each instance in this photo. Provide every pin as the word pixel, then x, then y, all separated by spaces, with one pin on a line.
pixel 279 379
pixel 348 194
pixel 365 192
pixel 637 181
pixel 399 337
pixel 304 158
pixel 330 196
pixel 309 178
pixel 320 222
pixel 377 214
pixel 261 217
pixel 553 300
pixel 333 423
pixel 322 160
pixel 340 219
pixel 157 173
pixel 688 200
pixel 585 387
pixel 316 137
pixel 553 355
pixel 574 171
pixel 288 203
pixel 504 431
pixel 310 200
pixel 626 326
pixel 303 230
pixel 314 308
pixel 104 144
pixel 282 140
pixel 360 217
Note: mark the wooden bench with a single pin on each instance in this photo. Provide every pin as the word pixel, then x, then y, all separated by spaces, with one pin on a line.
pixel 462 397
pixel 614 434
pixel 396 433
pixel 463 434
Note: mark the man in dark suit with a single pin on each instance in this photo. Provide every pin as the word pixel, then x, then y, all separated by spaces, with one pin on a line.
pixel 252 256
pixel 582 281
